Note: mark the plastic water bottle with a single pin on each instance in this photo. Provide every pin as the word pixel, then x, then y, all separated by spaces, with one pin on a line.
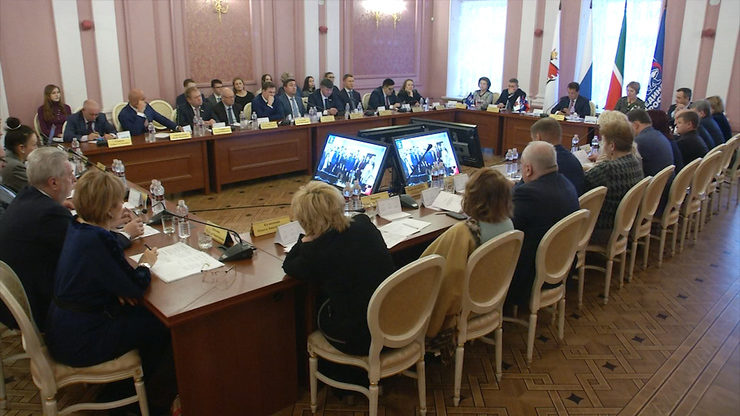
pixel 183 224
pixel 514 161
pixel 356 191
pixel 157 191
pixel 242 120
pixel 595 146
pixel 347 193
pixel 254 121
pixel 359 108
pixel 346 111
pixel 119 170
pixel 79 166
pixel 312 115
pixel 425 104
pixel 508 158
pixel 574 143
pixel 152 131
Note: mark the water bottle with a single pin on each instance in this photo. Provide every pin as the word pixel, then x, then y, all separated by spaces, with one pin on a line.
pixel 183 224
pixel 359 108
pixel 595 146
pixel 152 131
pixel 508 157
pixel 254 121
pixel 356 191
pixel 514 161
pixel 289 118
pixel 347 193
pixel 242 120
pixel 425 104
pixel 346 111
pixel 78 164
pixel 157 191
pixel 574 143
pixel 312 115
pixel 119 170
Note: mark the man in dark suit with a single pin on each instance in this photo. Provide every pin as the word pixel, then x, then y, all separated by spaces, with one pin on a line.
pixel 137 115
pixel 88 123
pixel 181 100
pixel 185 113
pixel 227 111
pixel 290 101
pixel 683 100
pixel 264 104
pixel 330 77
pixel 215 97
pixel 707 122
pixel 324 100
pixel 544 198
pixel 510 95
pixel 573 103
pixel 384 96
pixel 689 143
pixel 549 130
pixel 284 77
pixel 348 95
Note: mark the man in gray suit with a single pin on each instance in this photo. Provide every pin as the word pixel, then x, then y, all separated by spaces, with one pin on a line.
pixel 215 98
pixel 290 102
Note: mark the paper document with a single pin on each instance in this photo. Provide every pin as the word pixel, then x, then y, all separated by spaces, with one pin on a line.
pixel 582 156
pixel 287 234
pixel 390 209
pixel 404 227
pixel 180 260
pixel 148 231
pixel 391 239
pixel 448 202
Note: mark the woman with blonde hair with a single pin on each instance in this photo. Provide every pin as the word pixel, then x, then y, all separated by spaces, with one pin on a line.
pixel 718 114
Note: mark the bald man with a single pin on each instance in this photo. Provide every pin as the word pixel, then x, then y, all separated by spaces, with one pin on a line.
pixel 88 124
pixel 544 198
pixel 227 111
pixel 137 115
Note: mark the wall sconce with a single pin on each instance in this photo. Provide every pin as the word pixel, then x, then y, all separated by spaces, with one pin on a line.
pixel 220 7
pixel 380 8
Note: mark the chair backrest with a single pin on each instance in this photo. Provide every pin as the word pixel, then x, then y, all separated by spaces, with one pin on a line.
pixel 625 216
pixel 248 111
pixel 704 174
pixel 365 100
pixel 556 251
pixel 14 297
pixel 495 96
pixel 651 199
pixel 37 126
pixel 593 107
pixel 727 152
pixel 733 147
pixel 162 107
pixel 64 128
pixel 399 310
pixel 114 113
pixel 678 193
pixel 489 272
pixel 592 201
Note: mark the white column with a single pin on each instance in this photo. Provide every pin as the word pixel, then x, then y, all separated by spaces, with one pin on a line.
pixel 4 112
pixel 311 37
pixel 69 44
pixel 106 45
pixel 526 43
pixel 551 15
pixel 333 22
pixel 688 53
pixel 725 42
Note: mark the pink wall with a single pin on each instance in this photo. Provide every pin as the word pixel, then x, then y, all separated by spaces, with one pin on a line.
pixel 569 23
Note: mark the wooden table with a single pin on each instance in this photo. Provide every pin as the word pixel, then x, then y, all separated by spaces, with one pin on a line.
pixel 516 134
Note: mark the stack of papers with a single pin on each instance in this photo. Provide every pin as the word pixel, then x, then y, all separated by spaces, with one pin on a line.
pixel 398 231
pixel 147 232
pixel 180 260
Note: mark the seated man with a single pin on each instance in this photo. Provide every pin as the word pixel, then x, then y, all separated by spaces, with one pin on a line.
pixel 708 124
pixel 227 111
pixel 510 95
pixel 284 77
pixel 330 77
pixel 549 130
pixel 683 100
pixel 384 96
pixel 181 100
pixel 215 97
pixel 186 113
pixel 543 187
pixel 88 124
pixel 264 104
pixel 653 146
pixel 324 100
pixel 137 115
pixel 348 95
pixel 689 143
pixel 290 101
pixel 573 103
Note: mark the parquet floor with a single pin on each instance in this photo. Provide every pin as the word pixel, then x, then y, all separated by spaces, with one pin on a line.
pixel 668 342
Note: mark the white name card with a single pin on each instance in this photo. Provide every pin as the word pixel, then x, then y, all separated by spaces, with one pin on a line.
pixel 390 209
pixel 263 120
pixel 429 195
pixel 134 198
pixel 187 129
pixel 287 234
pixel 123 134
pixel 460 181
pixel 381 108
pixel 537 111
pixel 448 201
pixel 590 119
pixel 217 125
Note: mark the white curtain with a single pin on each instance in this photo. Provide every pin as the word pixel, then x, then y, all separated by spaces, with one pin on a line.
pixel 643 22
pixel 476 45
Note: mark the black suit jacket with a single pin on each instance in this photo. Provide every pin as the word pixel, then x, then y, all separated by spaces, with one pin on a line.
pixel 219 112
pixel 284 105
pixel 316 100
pixel 691 146
pixel 582 107
pixel 185 114
pixel 570 167
pixel 538 205
pixel 77 126
pixel 508 100
pixel 32 233
pixel 404 97
pixel 377 99
pixel 344 99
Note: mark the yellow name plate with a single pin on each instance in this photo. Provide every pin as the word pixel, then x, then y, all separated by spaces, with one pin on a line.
pixel 219 235
pixel 439 107
pixel 354 116
pixel 268 125
pixel 100 166
pixel 461 106
pixel 302 121
pixel 417 109
pixel 449 182
pixel 385 113
pixel 492 108
pixel 222 130
pixel 414 191
pixel 558 117
pixel 268 226
pixel 327 119
pixel 181 135
pixel 374 198
pixel 119 142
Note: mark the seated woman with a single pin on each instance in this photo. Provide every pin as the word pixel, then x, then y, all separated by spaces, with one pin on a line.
pixel 348 259
pixel 631 101
pixel 619 173
pixel 53 112
pixel 487 201
pixel 718 114
pixel 263 79
pixel 96 314
pixel 309 86
pixel 483 97
pixel 20 141
pixel 408 95
pixel 241 95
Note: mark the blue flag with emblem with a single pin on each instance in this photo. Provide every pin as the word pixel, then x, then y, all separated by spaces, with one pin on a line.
pixel 655 87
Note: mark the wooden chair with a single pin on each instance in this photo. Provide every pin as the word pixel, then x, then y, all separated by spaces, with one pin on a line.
pixel 114 114
pixel 592 201
pixel 365 100
pixel 592 106
pixel 732 173
pixel 616 245
pixel 37 129
pixel 691 210
pixel 715 191
pixel 710 197
pixel 486 283
pixel 644 221
pixel 7 333
pixel 49 376
pixel 554 260
pixel 248 111
pixel 164 108
pixel 398 316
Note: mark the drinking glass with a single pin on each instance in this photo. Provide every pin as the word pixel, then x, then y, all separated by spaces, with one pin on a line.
pixel 168 224
pixel 204 240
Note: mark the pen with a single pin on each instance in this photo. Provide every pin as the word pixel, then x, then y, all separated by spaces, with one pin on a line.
pixel 147 246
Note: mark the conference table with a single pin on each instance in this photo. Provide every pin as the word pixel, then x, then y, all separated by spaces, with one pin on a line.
pixel 211 161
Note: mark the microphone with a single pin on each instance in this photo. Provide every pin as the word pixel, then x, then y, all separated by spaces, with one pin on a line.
pixel 406 200
pixel 78 156
pixel 429 147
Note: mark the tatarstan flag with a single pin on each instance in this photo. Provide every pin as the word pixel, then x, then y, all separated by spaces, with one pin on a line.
pixel 615 85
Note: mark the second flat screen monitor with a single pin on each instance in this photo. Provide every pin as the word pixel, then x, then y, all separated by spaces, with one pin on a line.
pixel 411 152
pixel 346 159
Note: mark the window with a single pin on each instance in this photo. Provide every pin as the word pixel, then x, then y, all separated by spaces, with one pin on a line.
pixel 476 45
pixel 643 22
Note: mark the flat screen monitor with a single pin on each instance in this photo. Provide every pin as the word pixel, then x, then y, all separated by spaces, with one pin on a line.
pixel 387 134
pixel 412 151
pixel 348 159
pixel 464 137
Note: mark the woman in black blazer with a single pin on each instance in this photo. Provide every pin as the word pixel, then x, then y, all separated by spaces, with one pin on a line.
pixel 408 95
